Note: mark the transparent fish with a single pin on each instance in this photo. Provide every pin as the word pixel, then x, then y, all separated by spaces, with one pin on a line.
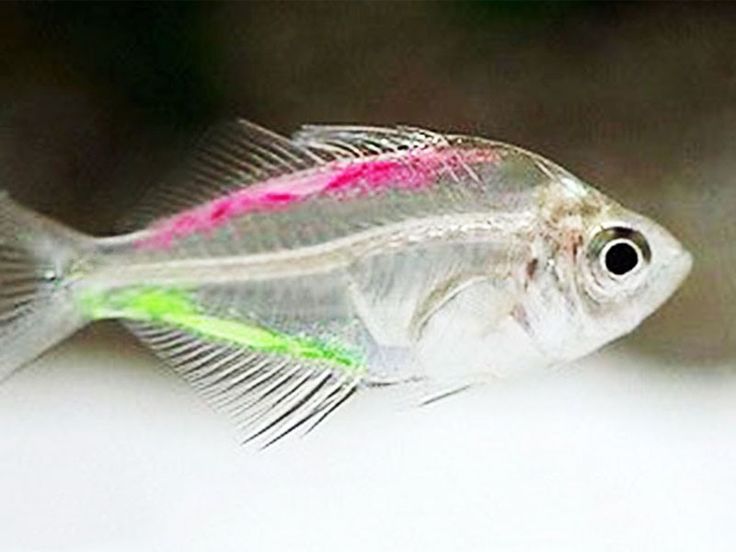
pixel 279 276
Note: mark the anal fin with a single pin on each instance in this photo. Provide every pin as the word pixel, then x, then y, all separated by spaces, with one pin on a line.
pixel 267 395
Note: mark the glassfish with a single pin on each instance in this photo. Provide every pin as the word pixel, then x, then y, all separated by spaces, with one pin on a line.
pixel 279 276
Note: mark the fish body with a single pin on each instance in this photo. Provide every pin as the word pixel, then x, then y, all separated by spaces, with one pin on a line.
pixel 280 275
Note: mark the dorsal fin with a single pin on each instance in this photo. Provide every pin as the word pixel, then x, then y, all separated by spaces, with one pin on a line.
pixel 358 141
pixel 240 151
pixel 236 154
pixel 230 156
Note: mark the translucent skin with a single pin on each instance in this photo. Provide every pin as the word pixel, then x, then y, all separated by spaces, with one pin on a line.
pixel 454 263
pixel 279 276
pixel 414 170
pixel 175 308
pixel 439 257
pixel 354 253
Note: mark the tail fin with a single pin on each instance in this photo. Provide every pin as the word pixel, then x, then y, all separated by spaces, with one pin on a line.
pixel 37 263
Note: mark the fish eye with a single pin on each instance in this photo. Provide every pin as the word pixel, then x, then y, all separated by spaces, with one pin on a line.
pixel 620 251
pixel 621 257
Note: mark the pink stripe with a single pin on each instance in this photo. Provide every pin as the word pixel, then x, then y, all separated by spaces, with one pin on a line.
pixel 339 179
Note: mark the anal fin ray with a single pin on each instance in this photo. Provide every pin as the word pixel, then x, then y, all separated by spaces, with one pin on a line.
pixel 268 395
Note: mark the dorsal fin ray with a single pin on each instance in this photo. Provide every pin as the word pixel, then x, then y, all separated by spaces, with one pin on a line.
pixel 237 154
pixel 230 156
pixel 357 141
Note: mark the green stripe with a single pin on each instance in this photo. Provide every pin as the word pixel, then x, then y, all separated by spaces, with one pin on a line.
pixel 176 308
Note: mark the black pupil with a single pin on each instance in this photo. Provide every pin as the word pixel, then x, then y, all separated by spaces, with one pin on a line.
pixel 621 258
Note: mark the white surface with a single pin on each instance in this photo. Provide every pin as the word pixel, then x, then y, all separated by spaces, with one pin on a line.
pixel 101 450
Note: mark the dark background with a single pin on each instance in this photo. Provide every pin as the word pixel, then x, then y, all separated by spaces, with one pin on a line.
pixel 98 101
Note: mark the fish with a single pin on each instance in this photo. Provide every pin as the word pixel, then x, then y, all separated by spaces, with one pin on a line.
pixel 279 276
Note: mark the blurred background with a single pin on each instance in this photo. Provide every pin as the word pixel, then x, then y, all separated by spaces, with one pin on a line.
pixel 99 101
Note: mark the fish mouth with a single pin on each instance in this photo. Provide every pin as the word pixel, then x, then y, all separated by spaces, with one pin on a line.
pixel 683 266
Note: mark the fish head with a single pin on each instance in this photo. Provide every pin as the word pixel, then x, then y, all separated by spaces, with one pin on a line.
pixel 609 269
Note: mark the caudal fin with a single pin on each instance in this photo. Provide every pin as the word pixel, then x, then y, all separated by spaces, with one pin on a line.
pixel 38 260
